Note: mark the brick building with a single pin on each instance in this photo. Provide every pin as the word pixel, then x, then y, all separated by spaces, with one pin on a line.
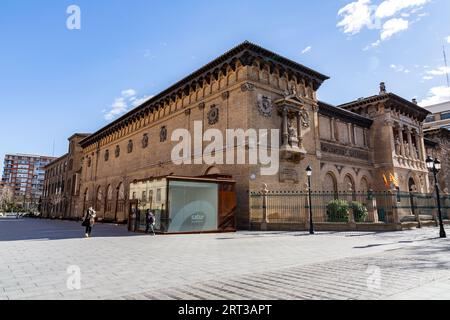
pixel 24 174
pixel 350 147
pixel 62 181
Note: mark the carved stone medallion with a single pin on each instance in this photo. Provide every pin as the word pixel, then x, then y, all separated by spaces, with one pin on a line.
pixel 247 87
pixel 265 106
pixel 145 141
pixel 213 115
pixel 130 146
pixel 304 119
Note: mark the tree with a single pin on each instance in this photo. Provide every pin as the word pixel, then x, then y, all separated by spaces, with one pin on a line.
pixel 7 199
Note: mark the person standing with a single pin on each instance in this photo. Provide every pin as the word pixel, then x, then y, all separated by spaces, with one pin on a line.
pixel 150 221
pixel 89 221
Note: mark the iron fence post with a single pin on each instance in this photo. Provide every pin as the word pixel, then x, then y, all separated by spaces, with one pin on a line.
pixel 265 220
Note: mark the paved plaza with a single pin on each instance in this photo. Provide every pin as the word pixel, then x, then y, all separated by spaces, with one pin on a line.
pixel 37 257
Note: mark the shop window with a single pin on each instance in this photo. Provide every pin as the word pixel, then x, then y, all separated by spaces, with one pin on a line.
pixel 193 206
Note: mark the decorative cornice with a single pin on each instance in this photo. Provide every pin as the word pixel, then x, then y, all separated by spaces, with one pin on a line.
pixel 348 116
pixel 245 54
pixel 56 161
pixel 392 101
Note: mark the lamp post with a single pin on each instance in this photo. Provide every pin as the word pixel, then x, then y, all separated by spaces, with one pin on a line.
pixel 311 224
pixel 435 166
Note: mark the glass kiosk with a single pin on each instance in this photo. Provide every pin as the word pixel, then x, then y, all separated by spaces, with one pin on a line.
pixel 184 205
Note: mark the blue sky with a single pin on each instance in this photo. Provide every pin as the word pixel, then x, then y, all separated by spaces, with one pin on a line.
pixel 55 81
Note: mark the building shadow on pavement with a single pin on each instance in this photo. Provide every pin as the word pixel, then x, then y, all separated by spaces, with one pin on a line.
pixel 41 229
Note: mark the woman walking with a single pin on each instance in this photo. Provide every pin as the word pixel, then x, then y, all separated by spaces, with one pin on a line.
pixel 89 221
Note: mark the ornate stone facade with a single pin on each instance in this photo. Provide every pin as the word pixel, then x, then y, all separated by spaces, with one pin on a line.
pixel 348 147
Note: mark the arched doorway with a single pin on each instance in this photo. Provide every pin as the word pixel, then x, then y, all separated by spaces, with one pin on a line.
pixel 120 201
pixel 364 186
pixel 349 183
pixel 99 199
pixel 85 201
pixel 330 184
pixel 412 186
pixel 109 200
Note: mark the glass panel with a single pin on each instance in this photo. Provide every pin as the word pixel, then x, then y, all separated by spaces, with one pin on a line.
pixel 150 202
pixel 193 206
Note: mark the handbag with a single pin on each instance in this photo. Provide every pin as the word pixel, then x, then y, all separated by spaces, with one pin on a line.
pixel 85 223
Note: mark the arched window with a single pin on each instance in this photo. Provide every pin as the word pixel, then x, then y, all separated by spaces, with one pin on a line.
pixel 109 198
pixel 364 184
pixel 109 193
pixel 330 183
pixel 99 199
pixel 349 183
pixel 120 201
pixel 121 192
pixel 412 186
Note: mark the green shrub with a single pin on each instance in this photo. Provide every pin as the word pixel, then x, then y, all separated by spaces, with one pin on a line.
pixel 360 212
pixel 337 211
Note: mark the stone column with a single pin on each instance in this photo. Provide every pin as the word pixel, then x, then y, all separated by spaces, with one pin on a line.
pixel 409 136
pixel 400 133
pixel 285 127
pixel 299 130
pixel 350 133
pixel 420 146
pixel 366 138
pixel 333 129
pixel 390 126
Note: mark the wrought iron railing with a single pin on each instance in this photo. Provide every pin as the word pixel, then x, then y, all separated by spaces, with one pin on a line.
pixel 359 207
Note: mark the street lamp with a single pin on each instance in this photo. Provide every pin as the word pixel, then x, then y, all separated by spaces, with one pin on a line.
pixel 311 224
pixel 435 166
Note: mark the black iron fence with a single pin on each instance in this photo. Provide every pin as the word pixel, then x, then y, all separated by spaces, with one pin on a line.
pixel 335 207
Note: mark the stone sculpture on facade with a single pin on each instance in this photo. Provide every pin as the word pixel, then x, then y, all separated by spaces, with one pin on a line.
pixel 265 106
pixel 398 146
pixel 293 137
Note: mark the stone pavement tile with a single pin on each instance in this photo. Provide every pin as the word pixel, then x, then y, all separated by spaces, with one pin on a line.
pixel 290 265
pixel 436 290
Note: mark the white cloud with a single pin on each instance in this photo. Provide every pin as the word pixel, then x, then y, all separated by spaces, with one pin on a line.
pixel 392 27
pixel 427 78
pixel 124 103
pixel 439 71
pixel 389 16
pixel 399 68
pixel 436 95
pixel 390 8
pixel 356 16
pixel 306 50
pixel 118 107
pixel 448 39
pixel 128 93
